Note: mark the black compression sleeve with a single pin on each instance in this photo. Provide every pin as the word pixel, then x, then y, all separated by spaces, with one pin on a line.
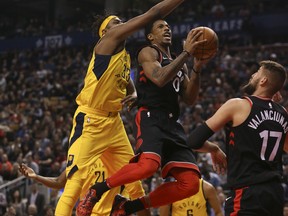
pixel 198 136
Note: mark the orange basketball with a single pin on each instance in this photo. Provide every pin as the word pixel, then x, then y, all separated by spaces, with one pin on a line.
pixel 207 49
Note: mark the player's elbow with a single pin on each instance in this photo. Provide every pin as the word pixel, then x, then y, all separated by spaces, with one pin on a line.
pixel 160 82
pixel 189 100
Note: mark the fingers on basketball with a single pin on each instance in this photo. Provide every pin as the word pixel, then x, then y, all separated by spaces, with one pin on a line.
pixel 210 47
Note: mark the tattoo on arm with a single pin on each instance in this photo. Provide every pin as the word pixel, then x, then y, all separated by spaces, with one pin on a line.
pixel 155 73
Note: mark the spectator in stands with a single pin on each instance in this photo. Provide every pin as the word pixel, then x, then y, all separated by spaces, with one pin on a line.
pixel 218 9
pixel 11 211
pixel 49 211
pixel 210 176
pixel 46 161
pixel 35 198
pixel 16 202
pixel 33 210
pixel 5 167
pixel 3 203
pixel 14 171
pixel 54 170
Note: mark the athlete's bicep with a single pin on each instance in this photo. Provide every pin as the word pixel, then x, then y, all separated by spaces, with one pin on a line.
pixel 148 58
pixel 223 115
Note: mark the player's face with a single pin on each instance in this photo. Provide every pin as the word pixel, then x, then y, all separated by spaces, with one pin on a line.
pixel 161 33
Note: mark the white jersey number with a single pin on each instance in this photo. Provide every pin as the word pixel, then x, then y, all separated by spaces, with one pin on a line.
pixel 265 136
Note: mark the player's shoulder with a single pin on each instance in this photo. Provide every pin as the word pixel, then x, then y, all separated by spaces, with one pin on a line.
pixel 207 186
pixel 148 48
pixel 236 102
pixel 148 52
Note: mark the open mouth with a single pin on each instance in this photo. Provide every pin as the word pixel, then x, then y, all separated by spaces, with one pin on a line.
pixel 167 35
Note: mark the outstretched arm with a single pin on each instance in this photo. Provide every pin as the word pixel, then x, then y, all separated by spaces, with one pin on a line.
pixel 119 33
pixel 234 111
pixel 212 198
pixel 158 11
pixel 51 182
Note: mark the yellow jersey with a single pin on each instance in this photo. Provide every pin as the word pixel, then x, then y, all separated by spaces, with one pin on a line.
pixel 98 174
pixel 191 206
pixel 105 82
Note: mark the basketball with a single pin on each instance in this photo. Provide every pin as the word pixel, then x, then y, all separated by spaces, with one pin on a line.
pixel 206 50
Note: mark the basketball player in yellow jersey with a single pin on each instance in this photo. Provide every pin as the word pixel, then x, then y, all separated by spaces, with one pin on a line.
pixel 196 204
pixel 98 130
pixel 98 174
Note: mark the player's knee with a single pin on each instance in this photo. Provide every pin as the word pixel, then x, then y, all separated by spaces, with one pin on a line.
pixel 188 182
pixel 188 187
pixel 193 187
pixel 148 167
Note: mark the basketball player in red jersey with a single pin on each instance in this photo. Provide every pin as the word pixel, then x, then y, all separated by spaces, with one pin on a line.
pixel 256 128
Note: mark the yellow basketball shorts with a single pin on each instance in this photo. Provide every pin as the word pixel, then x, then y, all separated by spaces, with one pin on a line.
pixel 95 134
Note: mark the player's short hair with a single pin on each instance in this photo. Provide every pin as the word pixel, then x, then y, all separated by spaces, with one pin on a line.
pixel 148 28
pixel 276 72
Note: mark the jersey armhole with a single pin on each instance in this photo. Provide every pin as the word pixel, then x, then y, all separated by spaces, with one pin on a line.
pixel 154 47
pixel 249 100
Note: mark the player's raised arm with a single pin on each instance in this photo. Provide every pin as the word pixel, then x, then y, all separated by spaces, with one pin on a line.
pixel 160 10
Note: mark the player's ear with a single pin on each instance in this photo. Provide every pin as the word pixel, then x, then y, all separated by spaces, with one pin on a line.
pixel 104 31
pixel 150 37
pixel 264 80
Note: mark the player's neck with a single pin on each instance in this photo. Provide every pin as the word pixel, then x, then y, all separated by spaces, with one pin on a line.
pixel 164 49
pixel 262 94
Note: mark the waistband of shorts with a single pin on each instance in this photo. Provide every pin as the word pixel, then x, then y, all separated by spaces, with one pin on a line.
pixel 158 112
pixel 97 111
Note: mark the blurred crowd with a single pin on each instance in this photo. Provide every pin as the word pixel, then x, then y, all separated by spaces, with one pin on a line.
pixel 38 88
pixel 14 25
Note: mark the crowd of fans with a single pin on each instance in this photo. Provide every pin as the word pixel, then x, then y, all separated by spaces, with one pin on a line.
pixel 37 92
pixel 80 18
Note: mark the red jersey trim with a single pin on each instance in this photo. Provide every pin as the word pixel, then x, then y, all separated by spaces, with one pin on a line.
pixel 249 100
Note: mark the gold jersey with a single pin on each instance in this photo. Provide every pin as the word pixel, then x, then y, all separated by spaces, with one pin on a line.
pixel 191 206
pixel 105 82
